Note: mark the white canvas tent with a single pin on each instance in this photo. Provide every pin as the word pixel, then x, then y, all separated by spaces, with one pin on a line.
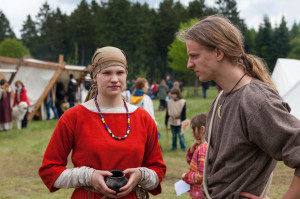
pixel 38 76
pixel 286 76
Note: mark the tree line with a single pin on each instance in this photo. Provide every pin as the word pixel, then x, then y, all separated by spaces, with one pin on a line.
pixel 146 34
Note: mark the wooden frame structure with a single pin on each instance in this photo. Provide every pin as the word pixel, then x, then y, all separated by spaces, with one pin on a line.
pixel 26 61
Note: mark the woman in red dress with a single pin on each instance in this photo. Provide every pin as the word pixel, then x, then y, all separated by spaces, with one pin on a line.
pixel 21 96
pixel 105 133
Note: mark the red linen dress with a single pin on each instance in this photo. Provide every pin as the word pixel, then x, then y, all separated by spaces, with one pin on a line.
pixel 81 130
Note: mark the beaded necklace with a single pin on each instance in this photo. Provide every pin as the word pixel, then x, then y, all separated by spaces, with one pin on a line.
pixel 106 127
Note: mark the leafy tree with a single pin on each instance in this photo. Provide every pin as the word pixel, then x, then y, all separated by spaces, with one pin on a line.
pixel 250 36
pixel 180 12
pixel 54 35
pixel 196 9
pixel 229 9
pixel 166 25
pixel 5 29
pixel 264 40
pixel 295 48
pixel 117 23
pixel 281 40
pixel 142 50
pixel 40 49
pixel 29 35
pixel 42 16
pixel 13 48
pixel 82 32
pixel 177 55
pixel 98 22
pixel 295 31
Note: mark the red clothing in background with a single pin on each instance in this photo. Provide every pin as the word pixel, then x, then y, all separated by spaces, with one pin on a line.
pixel 154 88
pixel 82 131
pixel 22 98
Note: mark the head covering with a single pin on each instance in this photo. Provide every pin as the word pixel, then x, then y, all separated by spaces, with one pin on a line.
pixel 106 57
pixel 103 58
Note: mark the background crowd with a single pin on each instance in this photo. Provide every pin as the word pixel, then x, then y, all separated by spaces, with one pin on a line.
pixel 59 99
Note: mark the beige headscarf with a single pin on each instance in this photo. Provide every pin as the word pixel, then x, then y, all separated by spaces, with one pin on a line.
pixel 103 58
pixel 107 56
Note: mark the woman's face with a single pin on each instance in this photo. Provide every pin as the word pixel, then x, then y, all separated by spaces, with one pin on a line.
pixel 19 85
pixel 146 87
pixel 111 81
pixel 202 61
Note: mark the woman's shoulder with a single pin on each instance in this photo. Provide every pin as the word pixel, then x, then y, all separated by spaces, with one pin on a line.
pixel 74 110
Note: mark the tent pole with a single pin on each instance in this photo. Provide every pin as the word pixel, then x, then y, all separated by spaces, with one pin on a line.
pixel 59 70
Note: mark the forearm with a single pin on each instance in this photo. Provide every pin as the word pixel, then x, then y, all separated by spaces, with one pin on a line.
pixel 294 190
pixel 149 180
pixel 76 177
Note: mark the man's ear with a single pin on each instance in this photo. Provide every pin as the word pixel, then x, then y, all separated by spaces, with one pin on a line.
pixel 219 54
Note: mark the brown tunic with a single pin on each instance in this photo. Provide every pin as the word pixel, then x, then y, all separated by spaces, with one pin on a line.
pixel 254 131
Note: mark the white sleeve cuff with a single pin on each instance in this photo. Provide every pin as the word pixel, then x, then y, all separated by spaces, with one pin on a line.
pixel 149 180
pixel 76 177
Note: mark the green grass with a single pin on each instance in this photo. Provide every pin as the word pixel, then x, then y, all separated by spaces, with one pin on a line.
pixel 21 153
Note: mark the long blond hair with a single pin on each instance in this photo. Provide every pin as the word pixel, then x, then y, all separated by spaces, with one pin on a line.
pixel 216 31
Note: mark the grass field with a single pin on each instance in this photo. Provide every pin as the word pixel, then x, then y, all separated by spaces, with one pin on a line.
pixel 21 153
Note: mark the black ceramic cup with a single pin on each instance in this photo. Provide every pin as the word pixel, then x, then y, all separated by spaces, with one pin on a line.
pixel 116 181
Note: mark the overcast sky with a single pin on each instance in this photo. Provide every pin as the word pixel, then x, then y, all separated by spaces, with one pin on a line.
pixel 252 11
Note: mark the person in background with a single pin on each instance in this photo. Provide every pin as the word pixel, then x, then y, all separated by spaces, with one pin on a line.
pixel 154 87
pixel 175 114
pixel 51 104
pixel 105 133
pixel 176 84
pixel 126 94
pixel 162 92
pixel 169 82
pixel 21 96
pixel 5 106
pixel 181 84
pixel 72 89
pixel 252 128
pixel 132 86
pixel 140 98
pixel 60 97
pixel 205 86
pixel 195 156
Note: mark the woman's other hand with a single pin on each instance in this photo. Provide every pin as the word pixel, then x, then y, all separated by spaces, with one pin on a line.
pixel 135 176
pixel 99 184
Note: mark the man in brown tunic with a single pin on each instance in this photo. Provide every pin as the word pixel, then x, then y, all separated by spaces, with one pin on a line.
pixel 252 127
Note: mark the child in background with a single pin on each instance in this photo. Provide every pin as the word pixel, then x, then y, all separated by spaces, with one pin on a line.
pixel 195 156
pixel 175 114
